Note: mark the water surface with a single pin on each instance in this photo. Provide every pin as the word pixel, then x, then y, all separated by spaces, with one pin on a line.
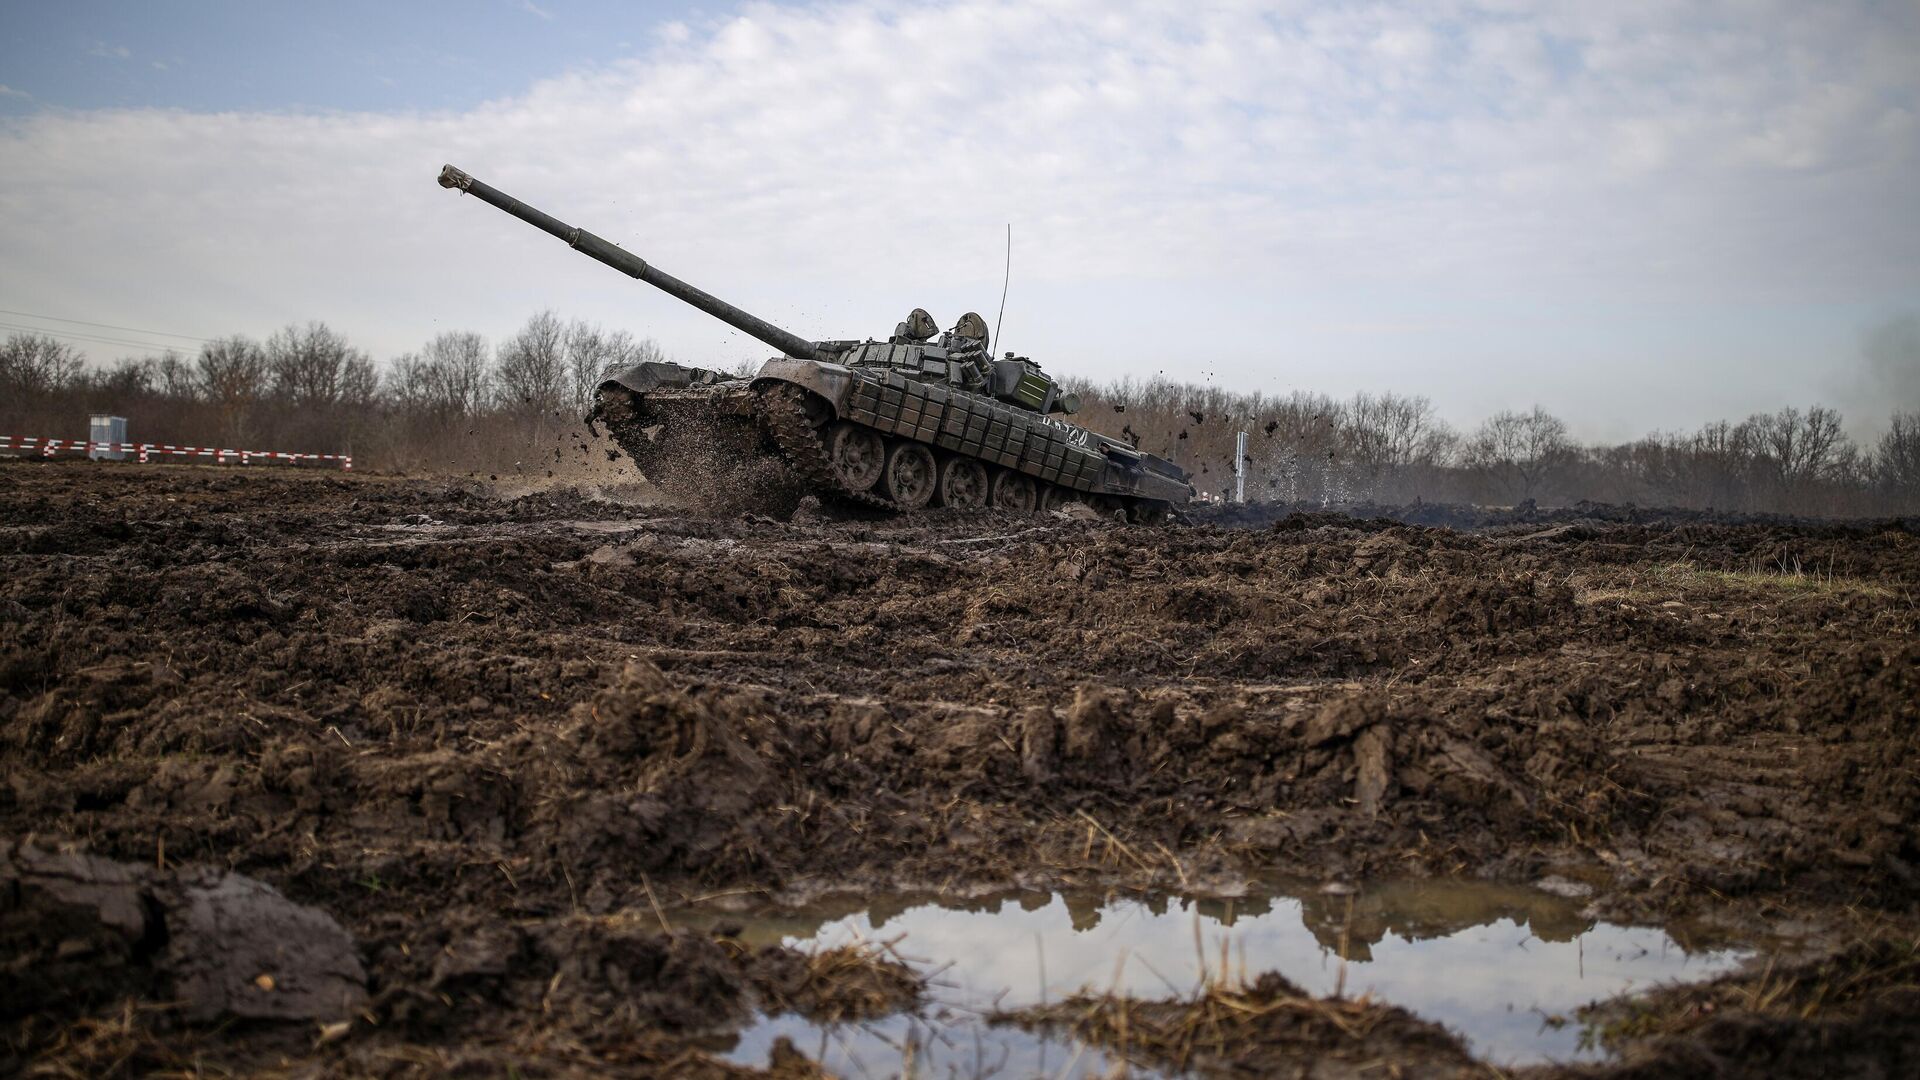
pixel 1503 966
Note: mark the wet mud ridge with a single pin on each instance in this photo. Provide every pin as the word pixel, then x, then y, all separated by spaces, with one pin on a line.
pixel 476 782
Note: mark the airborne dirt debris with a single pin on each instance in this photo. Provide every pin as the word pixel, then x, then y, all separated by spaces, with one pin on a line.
pixel 504 744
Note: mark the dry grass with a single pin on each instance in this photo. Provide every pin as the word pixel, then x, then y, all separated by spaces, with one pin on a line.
pixel 853 982
pixel 1227 1024
pixel 1791 578
pixel 1883 973
pixel 120 1042
pixel 1687 581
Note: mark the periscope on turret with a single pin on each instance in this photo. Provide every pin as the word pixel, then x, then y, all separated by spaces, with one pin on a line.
pixel 926 417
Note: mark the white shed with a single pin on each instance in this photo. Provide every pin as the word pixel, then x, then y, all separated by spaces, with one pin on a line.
pixel 106 429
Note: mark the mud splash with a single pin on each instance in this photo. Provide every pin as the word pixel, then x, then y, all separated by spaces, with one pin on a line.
pixel 1506 967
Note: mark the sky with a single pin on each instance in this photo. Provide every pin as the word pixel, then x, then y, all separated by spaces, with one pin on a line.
pixel 1639 215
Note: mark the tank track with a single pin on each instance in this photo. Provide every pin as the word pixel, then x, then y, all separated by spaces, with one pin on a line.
pixel 783 410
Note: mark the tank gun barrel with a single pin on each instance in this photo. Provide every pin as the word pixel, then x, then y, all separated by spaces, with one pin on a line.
pixel 634 266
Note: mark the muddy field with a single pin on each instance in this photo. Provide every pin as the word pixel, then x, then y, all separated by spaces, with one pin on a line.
pixel 303 772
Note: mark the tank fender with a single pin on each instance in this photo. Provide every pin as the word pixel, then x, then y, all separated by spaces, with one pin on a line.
pixel 833 382
pixel 660 375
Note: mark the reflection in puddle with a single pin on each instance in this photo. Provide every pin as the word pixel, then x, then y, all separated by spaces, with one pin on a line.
pixel 947 1042
pixel 1504 966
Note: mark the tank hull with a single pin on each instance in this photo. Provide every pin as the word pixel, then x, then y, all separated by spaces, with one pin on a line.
pixel 805 413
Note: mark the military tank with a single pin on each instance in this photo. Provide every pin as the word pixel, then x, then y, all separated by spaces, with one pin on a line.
pixel 925 417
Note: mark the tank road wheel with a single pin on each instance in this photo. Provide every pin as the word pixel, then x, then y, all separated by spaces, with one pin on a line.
pixel 1014 491
pixel 963 483
pixel 856 454
pixel 1053 497
pixel 910 477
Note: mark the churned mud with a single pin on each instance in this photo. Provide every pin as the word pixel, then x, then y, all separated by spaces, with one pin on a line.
pixel 308 772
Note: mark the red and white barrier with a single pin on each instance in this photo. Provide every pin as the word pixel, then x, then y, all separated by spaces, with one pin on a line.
pixel 145 451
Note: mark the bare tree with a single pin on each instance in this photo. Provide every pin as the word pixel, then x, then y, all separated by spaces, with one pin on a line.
pixel 1520 451
pixel 459 377
pixel 359 383
pixel 313 368
pixel 1896 461
pixel 1298 449
pixel 405 385
pixel 532 373
pixel 592 352
pixel 1717 463
pixel 446 383
pixel 1791 450
pixel 1388 432
pixel 1707 468
pixel 174 377
pixel 128 379
pixel 232 376
pixel 35 364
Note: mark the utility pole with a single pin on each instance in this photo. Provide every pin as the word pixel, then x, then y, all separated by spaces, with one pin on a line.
pixel 1240 468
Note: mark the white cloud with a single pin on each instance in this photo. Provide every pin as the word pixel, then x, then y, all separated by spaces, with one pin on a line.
pixel 109 52
pixel 9 92
pixel 532 8
pixel 1234 181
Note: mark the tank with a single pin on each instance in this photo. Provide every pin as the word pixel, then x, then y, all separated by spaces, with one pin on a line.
pixel 926 417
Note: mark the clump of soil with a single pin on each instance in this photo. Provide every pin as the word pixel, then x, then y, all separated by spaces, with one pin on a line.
pixel 1268 1028
pixel 80 930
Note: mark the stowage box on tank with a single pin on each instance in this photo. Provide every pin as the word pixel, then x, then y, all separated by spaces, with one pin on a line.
pixel 924 417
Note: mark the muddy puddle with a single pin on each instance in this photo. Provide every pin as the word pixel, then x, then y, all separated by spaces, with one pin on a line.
pixel 1506 967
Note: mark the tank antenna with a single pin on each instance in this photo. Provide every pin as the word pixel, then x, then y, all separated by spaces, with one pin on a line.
pixel 1007 276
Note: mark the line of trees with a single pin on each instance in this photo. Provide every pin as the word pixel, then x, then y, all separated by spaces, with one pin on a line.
pixel 461 404
pixel 457 403
pixel 1392 448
